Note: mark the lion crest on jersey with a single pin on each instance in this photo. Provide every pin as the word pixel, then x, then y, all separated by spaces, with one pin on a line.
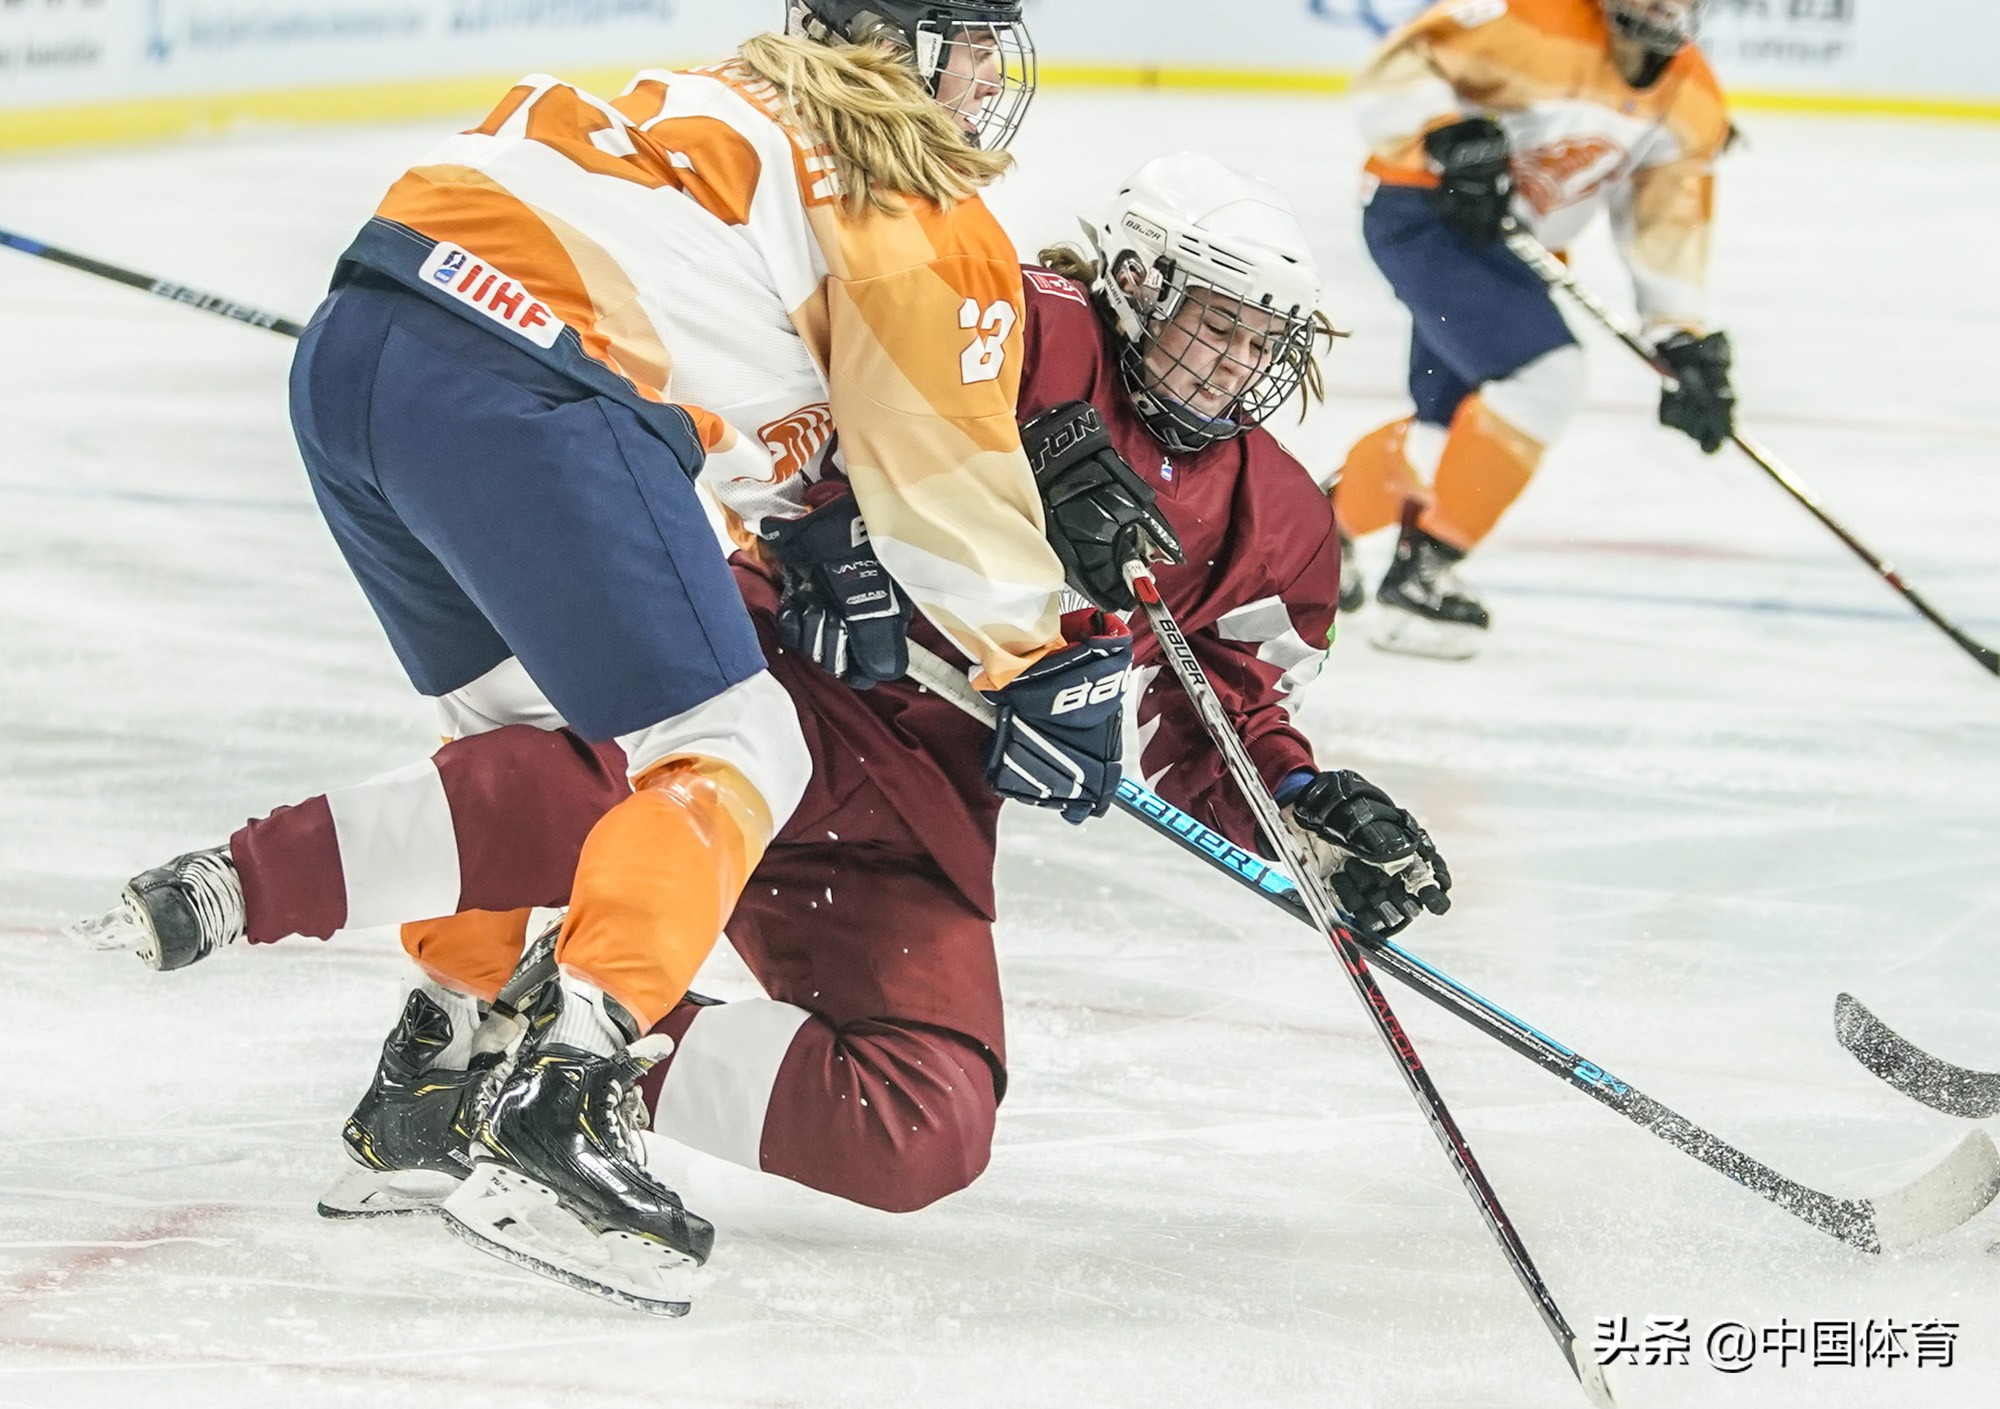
pixel 793 440
pixel 1566 171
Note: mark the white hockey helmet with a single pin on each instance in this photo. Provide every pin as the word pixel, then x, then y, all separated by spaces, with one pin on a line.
pixel 1662 27
pixel 1211 285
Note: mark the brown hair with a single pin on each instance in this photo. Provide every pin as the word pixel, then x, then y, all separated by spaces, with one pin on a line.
pixel 886 134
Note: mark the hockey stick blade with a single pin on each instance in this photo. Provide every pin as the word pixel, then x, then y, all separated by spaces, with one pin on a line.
pixel 1948 1195
pixel 1590 1375
pixel 1312 893
pixel 1951 1193
pixel 1955 1090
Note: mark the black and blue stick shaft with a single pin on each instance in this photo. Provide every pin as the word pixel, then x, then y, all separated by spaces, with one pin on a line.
pixel 1317 902
pixel 162 288
pixel 1947 1195
pixel 1556 275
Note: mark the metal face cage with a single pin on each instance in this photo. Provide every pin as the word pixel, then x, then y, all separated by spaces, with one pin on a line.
pixel 1211 360
pixel 983 74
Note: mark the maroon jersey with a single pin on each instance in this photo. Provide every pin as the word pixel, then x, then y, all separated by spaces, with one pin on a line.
pixel 1256 599
pixel 1256 595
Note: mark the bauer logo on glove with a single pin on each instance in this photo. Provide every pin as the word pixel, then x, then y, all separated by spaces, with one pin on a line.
pixel 1059 735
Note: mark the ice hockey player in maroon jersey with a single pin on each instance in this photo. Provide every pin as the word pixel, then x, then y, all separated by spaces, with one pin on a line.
pixel 874 1067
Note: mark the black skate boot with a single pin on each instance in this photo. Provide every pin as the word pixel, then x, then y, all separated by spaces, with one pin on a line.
pixel 559 1182
pixel 408 1137
pixel 175 914
pixel 1353 591
pixel 411 1134
pixel 1426 609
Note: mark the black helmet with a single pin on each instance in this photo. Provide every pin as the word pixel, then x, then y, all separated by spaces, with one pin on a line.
pixel 975 56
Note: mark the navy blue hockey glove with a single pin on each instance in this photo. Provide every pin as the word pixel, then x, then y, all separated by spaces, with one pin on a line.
pixel 1382 866
pixel 1060 734
pixel 1475 177
pixel 1704 404
pixel 839 605
pixel 1100 514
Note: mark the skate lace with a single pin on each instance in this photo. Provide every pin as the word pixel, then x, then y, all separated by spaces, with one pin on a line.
pixel 628 1117
pixel 215 896
pixel 485 1091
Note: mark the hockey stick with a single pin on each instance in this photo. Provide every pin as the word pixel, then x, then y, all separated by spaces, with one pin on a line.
pixel 1947 1195
pixel 1941 1085
pixel 1320 908
pixel 1346 946
pixel 1553 273
pixel 178 293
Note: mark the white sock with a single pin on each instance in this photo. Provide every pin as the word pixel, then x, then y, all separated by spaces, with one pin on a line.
pixel 582 1023
pixel 463 1009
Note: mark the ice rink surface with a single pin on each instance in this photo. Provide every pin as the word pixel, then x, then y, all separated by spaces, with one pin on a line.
pixel 1709 773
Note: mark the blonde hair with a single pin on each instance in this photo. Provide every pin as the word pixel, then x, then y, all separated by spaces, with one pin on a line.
pixel 1073 263
pixel 887 136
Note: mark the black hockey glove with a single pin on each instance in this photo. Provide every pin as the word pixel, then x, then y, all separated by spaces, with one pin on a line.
pixel 1060 736
pixel 839 604
pixel 1382 866
pixel 1475 179
pixel 1100 514
pixel 1704 404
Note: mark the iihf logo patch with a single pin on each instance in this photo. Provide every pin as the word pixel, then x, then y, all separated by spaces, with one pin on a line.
pixel 491 294
pixel 1166 469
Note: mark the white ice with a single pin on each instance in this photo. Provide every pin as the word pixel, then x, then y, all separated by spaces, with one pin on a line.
pixel 1709 773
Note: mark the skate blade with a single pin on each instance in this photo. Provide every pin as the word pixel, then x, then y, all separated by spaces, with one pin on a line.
pixel 1407 634
pixel 118 928
pixel 503 1212
pixel 374 1193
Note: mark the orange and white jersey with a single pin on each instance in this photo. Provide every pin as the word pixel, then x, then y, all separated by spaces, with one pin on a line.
pixel 1583 138
pixel 684 249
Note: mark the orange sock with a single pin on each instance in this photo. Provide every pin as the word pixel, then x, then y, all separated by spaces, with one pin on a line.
pixel 474 951
pixel 659 875
pixel 1486 465
pixel 1376 481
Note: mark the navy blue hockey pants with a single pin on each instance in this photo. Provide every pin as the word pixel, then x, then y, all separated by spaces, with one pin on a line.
pixel 491 507
pixel 1477 313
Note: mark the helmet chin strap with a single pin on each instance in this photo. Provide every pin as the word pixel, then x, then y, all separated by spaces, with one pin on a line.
pixel 1174 423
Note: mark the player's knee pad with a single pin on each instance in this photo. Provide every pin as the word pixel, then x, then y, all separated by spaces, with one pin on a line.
pixel 1542 398
pixel 752 726
pixel 494 780
pixel 927 1126
pixel 888 1115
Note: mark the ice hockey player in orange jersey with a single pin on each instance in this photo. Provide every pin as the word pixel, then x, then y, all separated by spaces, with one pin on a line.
pixel 1548 111
pixel 549 332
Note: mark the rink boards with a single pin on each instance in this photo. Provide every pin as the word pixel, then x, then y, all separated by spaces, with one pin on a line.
pixel 114 71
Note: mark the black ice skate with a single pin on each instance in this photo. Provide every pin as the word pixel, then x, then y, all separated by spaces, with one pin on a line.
pixel 559 1183
pixel 175 914
pixel 1353 591
pixel 411 1134
pixel 1426 609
